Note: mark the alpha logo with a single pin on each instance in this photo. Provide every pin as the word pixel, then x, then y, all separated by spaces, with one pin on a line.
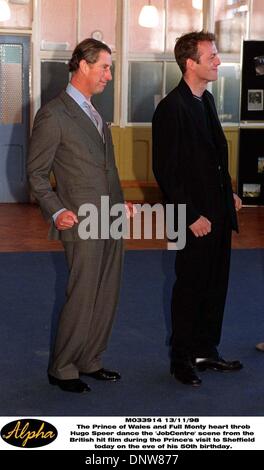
pixel 29 433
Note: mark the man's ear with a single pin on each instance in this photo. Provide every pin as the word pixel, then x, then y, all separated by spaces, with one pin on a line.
pixel 83 66
pixel 190 64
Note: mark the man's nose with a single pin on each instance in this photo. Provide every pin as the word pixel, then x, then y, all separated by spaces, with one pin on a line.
pixel 108 75
pixel 218 60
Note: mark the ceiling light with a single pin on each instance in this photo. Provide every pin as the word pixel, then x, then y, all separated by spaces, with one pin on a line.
pixel 149 16
pixel 197 4
pixel 5 12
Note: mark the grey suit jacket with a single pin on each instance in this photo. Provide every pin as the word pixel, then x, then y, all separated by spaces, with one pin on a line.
pixel 65 140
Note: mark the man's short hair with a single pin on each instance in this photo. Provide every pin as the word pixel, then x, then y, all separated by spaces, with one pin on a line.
pixel 186 47
pixel 88 50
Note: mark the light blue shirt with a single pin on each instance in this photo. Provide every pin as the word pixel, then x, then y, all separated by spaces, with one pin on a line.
pixel 78 97
pixel 87 106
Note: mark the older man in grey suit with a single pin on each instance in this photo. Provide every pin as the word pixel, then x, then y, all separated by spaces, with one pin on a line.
pixel 71 139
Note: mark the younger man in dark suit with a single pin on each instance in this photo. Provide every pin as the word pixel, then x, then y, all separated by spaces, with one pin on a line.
pixel 190 163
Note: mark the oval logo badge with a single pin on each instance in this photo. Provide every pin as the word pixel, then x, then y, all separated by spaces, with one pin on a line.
pixel 29 433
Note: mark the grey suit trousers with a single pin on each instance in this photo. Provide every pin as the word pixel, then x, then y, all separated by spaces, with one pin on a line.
pixel 86 319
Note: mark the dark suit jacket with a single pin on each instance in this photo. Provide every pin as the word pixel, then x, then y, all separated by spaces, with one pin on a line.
pixel 189 164
pixel 65 141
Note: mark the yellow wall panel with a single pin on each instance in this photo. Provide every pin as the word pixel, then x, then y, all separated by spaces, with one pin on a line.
pixel 133 148
pixel 232 135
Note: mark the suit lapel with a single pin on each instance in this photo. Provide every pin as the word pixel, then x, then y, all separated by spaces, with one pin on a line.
pixel 188 102
pixel 81 119
pixel 186 93
pixel 218 130
pixel 108 143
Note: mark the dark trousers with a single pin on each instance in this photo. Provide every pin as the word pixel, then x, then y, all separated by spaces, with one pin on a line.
pixel 199 293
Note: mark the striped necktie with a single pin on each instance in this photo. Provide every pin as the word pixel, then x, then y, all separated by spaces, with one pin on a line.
pixel 95 117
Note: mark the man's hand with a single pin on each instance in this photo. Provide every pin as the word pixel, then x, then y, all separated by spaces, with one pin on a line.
pixel 66 220
pixel 238 202
pixel 201 227
pixel 130 209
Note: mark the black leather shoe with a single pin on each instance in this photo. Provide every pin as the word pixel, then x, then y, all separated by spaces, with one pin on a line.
pixel 103 374
pixel 185 373
pixel 219 364
pixel 71 385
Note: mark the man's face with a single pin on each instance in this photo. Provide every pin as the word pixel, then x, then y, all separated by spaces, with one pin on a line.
pixel 98 74
pixel 207 67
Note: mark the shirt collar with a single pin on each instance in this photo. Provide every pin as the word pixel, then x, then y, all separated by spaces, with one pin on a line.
pixel 76 95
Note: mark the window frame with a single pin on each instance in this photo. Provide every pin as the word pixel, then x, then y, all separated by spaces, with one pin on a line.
pixel 121 56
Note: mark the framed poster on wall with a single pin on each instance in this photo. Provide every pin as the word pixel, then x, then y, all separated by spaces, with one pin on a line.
pixel 252 82
pixel 251 166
